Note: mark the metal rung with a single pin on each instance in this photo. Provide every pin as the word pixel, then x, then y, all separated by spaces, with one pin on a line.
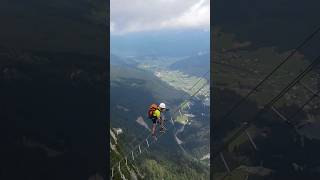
pixel 309 89
pixel 147 142
pixel 112 172
pixel 279 114
pixel 251 140
pixel 132 155
pixel 139 149
pixel 225 163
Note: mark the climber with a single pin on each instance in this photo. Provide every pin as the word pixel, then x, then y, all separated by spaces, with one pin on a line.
pixel 155 115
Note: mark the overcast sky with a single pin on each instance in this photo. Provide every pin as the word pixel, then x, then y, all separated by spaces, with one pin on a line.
pixel 149 15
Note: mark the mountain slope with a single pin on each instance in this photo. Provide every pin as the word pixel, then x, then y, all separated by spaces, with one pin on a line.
pixel 132 91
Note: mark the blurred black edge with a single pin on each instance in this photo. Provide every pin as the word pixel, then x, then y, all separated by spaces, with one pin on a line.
pixel 54 89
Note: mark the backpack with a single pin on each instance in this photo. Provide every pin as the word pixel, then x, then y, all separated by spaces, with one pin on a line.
pixel 151 110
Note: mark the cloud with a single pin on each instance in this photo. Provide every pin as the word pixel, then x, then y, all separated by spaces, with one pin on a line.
pixel 148 15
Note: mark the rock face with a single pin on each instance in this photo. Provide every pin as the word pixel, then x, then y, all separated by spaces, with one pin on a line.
pixel 121 168
pixel 141 121
pixel 113 136
pixel 207 156
pixel 133 176
pixel 117 131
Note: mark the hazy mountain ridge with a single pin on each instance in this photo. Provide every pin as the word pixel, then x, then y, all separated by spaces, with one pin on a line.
pixel 194 65
pixel 161 43
pixel 118 61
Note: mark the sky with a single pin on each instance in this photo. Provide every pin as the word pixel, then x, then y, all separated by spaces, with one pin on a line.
pixel 128 16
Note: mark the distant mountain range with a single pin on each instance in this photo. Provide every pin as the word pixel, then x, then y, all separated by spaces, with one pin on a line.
pixel 194 65
pixel 161 43
pixel 116 60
